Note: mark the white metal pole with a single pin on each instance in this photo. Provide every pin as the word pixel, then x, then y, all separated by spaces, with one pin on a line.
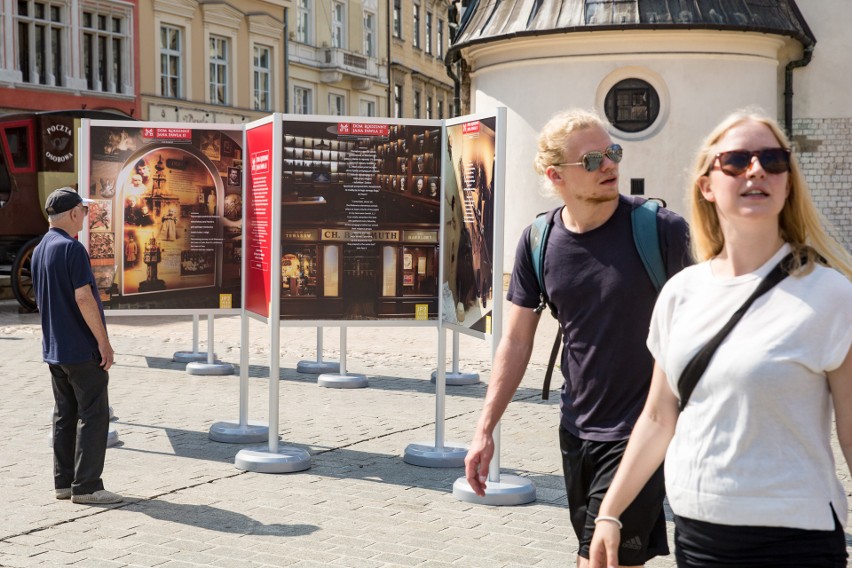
pixel 274 364
pixel 210 355
pixel 244 368
pixel 195 333
pixel 455 352
pixel 342 349
pixel 441 388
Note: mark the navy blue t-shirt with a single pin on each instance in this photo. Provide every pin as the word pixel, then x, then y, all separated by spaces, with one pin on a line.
pixel 60 265
pixel 604 298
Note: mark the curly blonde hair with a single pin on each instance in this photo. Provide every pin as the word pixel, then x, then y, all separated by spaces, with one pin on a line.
pixel 801 224
pixel 554 137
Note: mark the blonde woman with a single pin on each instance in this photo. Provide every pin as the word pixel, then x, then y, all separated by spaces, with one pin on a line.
pixel 749 469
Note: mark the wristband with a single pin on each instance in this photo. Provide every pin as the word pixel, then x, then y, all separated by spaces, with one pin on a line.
pixel 610 519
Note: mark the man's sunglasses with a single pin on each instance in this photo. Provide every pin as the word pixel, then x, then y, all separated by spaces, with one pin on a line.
pixel 736 162
pixel 591 161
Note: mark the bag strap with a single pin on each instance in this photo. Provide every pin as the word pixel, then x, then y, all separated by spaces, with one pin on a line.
pixel 644 222
pixel 699 362
pixel 539 233
pixel 557 343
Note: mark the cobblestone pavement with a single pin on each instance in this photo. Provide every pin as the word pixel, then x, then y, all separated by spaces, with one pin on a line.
pixel 359 505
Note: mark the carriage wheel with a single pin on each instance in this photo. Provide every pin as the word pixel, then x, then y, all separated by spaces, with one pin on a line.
pixel 22 276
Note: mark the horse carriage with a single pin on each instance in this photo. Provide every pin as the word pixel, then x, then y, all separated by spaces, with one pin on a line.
pixel 38 153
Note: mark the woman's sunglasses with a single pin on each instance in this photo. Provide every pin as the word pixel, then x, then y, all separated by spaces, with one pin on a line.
pixel 591 161
pixel 736 162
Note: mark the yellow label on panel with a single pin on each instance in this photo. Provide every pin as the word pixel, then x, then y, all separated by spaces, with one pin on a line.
pixel 226 301
pixel 487 324
pixel 421 311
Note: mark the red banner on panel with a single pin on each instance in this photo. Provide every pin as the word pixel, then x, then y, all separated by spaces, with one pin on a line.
pixel 470 127
pixel 259 230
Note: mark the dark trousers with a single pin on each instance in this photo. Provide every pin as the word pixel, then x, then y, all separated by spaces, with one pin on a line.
pixel 80 392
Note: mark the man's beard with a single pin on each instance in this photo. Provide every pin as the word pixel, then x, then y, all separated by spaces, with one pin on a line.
pixel 598 199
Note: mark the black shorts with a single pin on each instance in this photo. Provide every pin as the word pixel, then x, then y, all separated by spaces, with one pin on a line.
pixel 589 468
pixel 699 544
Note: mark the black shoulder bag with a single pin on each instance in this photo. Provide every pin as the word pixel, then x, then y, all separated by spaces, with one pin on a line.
pixel 698 364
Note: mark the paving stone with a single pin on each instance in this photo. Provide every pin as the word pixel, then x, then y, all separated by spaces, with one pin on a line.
pixel 359 505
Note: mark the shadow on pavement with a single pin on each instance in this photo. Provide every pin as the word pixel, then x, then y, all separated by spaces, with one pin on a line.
pixel 341 463
pixel 215 519
pixel 404 384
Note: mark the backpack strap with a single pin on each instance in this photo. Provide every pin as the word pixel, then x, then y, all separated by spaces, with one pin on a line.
pixel 644 221
pixel 539 233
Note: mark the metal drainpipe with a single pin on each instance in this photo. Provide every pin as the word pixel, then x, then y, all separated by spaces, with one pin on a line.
pixel 388 34
pixel 286 63
pixel 456 83
pixel 788 88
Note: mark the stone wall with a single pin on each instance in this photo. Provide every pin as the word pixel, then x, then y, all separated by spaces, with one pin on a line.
pixel 824 147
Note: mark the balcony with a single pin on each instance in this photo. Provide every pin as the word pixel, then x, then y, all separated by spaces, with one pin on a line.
pixel 336 64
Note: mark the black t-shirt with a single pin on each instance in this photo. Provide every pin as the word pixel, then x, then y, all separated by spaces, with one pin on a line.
pixel 604 298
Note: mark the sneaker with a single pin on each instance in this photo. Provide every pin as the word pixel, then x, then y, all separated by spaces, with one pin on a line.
pixel 64 493
pixel 102 497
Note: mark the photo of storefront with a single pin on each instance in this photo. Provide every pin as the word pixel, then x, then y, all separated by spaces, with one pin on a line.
pixel 360 215
pixel 321 277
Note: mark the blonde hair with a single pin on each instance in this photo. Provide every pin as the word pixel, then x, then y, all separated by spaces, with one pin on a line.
pixel 801 224
pixel 554 137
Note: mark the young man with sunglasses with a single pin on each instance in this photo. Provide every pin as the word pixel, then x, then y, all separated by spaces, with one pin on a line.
pixel 604 299
pixel 76 347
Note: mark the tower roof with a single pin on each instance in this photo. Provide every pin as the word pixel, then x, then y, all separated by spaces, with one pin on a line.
pixel 495 20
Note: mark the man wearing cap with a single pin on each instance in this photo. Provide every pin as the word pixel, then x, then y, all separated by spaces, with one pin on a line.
pixel 76 347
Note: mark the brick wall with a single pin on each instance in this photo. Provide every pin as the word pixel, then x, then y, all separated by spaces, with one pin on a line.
pixel 824 147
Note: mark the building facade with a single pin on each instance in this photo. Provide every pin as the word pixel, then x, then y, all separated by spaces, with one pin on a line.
pixel 69 54
pixel 212 62
pixel 419 86
pixel 196 61
pixel 322 57
pixel 338 61
pixel 662 74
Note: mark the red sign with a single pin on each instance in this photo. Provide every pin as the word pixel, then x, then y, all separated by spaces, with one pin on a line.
pixel 470 128
pixel 362 129
pixel 258 229
pixel 167 133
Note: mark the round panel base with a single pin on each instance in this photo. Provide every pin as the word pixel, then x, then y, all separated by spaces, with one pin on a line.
pixel 510 490
pixel 458 379
pixel 232 432
pixel 189 357
pixel 261 460
pixel 317 367
pixel 217 368
pixel 338 381
pixel 425 455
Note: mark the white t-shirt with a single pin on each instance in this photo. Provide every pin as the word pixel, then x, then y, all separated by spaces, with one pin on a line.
pixel 752 447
